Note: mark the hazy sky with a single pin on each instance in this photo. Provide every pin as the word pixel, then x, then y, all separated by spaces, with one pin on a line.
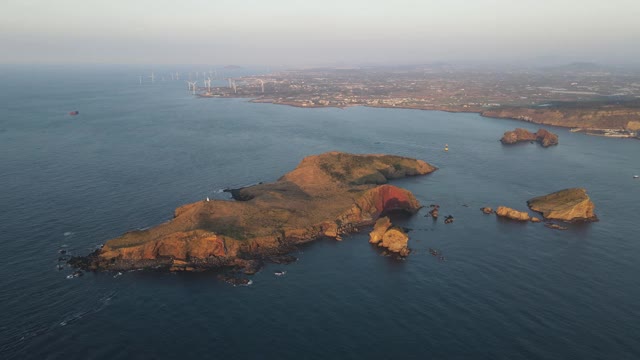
pixel 289 32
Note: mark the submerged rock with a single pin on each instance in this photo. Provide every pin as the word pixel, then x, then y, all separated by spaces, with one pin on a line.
pixel 567 205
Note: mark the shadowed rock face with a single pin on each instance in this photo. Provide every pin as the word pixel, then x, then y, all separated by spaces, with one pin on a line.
pixel 544 137
pixel 566 205
pixel 325 195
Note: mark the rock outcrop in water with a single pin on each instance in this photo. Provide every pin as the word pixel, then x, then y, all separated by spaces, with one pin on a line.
pixel 326 195
pixel 392 238
pixel 512 214
pixel 542 136
pixel 567 205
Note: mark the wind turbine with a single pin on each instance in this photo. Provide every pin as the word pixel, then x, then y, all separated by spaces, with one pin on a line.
pixel 140 79
pixel 171 76
pixel 192 85
pixel 230 86
pixel 177 75
pixel 207 83
pixel 235 91
pixel 153 77
pixel 261 84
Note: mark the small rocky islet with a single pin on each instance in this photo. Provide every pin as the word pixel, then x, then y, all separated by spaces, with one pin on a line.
pixel 568 205
pixel 542 136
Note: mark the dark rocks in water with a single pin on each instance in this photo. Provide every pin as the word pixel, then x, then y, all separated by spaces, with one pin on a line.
pixel 250 267
pixel 60 267
pixel 282 259
pixel 234 280
pixel 62 251
pixel 487 210
pixel 77 273
pixel 437 254
pixel 436 206
pixel 555 226
pixel 448 219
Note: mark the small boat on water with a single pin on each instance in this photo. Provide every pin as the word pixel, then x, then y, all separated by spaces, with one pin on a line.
pixel 636 176
pixel 446 147
pixel 74 113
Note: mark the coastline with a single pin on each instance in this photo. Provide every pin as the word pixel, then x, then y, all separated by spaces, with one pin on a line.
pixel 618 133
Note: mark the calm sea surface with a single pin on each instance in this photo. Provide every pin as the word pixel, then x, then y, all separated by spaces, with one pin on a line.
pixel 135 153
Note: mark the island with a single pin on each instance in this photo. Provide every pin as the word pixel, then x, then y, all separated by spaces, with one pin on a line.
pixel 326 195
pixel 542 136
pixel 568 205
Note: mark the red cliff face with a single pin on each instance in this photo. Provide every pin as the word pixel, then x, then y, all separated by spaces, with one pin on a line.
pixel 326 195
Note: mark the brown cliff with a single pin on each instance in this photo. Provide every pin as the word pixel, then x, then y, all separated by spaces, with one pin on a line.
pixel 325 195
pixel 567 205
pixel 542 136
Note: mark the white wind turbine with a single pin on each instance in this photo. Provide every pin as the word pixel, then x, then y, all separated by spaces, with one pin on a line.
pixel 261 84
pixel 192 85
pixel 153 77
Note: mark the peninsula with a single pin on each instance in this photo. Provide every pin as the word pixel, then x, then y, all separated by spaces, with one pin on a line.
pixel 324 196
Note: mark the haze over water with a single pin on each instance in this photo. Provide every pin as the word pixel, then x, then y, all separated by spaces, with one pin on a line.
pixel 135 153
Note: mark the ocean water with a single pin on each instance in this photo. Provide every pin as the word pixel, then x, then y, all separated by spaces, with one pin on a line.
pixel 136 152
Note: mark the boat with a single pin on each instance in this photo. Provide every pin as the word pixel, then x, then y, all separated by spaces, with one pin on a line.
pixel 75 112
pixel 446 147
pixel 636 176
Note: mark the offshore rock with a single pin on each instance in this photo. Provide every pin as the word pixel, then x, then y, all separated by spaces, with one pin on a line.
pixel 567 205
pixel 544 137
pixel 394 239
pixel 326 195
pixel 487 210
pixel 512 214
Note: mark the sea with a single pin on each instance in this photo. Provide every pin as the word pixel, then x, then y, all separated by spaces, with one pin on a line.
pixel 135 152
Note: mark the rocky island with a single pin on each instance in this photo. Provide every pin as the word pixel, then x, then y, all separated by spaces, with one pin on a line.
pixel 324 196
pixel 542 136
pixel 569 205
pixel 392 238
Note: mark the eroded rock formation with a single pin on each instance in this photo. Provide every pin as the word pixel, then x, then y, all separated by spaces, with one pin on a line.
pixel 389 237
pixel 542 136
pixel 512 214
